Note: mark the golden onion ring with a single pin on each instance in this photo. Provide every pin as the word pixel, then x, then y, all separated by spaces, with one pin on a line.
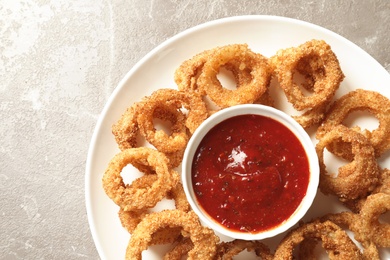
pixel 133 198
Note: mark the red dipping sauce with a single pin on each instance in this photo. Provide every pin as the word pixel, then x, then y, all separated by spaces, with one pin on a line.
pixel 250 173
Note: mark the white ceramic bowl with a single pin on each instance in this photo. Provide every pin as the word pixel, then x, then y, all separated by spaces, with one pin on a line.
pixel 277 115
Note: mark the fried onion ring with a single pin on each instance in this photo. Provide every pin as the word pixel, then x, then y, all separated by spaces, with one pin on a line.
pixel 334 240
pixel 227 250
pixel 372 229
pixel 167 105
pixel 126 131
pixel 311 117
pixel 383 186
pixel 129 198
pixel 358 100
pixel 355 179
pixel 324 70
pixel 153 107
pixel 204 240
pixel 187 74
pixel 352 222
pixel 384 182
pixel 182 247
pixel 158 102
pixel 130 219
pixel 247 62
pixel 320 68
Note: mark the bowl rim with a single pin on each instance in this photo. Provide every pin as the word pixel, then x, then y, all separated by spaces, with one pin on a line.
pixel 277 115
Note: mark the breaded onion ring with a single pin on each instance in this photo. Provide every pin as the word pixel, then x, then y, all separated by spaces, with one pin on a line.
pixel 162 100
pixel 181 248
pixel 187 74
pixel 129 198
pixel 359 100
pixel 204 240
pixel 311 117
pixel 247 62
pixel 319 66
pixel 126 131
pixel 371 228
pixel 383 186
pixel 355 179
pixel 157 108
pixel 164 104
pixel 130 219
pixel 324 70
pixel 352 222
pixel 334 240
pixel 227 250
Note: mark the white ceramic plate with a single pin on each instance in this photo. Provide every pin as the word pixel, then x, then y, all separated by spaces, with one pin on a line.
pixel 263 34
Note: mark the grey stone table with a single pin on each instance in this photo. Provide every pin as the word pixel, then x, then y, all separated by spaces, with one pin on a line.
pixel 60 61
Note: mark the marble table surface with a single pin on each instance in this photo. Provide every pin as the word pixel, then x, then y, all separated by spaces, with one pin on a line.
pixel 61 60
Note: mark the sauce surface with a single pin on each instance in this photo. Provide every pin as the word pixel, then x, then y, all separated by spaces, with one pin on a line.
pixel 250 173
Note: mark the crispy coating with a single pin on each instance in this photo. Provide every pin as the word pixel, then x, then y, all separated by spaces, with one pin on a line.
pixel 383 186
pixel 227 250
pixel 167 105
pixel 325 73
pixel 375 205
pixel 334 240
pixel 196 108
pixel 352 222
pixel 204 240
pixel 187 74
pixel 248 63
pixel 171 142
pixel 359 100
pixel 250 71
pixel 318 65
pixel 311 117
pixel 126 129
pixel 180 249
pixel 130 219
pixel 357 178
pixel 129 198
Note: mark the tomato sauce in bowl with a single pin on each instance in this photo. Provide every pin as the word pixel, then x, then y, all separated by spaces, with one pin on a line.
pixel 250 172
